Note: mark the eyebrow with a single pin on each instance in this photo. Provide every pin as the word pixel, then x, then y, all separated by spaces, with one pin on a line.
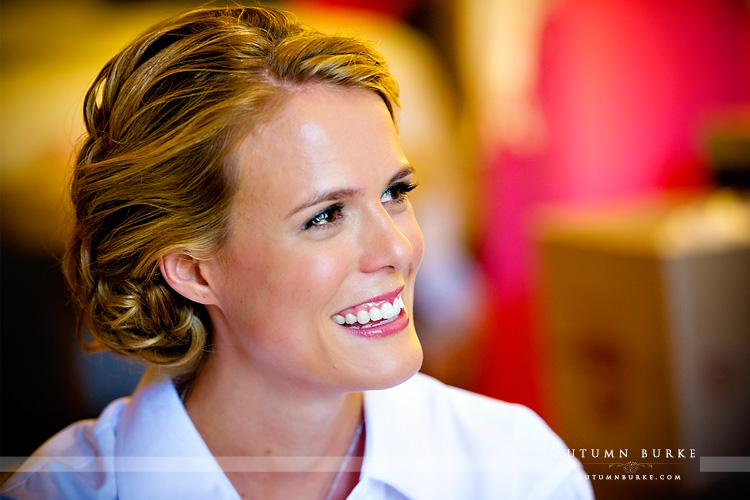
pixel 338 194
pixel 406 171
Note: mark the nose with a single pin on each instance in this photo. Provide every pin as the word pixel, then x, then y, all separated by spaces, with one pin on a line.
pixel 387 243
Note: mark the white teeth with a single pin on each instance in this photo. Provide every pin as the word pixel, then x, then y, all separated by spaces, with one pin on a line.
pixel 363 317
pixel 387 310
pixel 375 314
pixel 397 306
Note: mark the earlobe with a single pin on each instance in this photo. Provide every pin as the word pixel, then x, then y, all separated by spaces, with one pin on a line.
pixel 184 275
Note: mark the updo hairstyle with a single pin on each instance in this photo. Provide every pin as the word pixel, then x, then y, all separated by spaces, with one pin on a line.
pixel 152 175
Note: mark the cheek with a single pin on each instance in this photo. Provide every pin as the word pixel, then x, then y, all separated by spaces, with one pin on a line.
pixel 313 276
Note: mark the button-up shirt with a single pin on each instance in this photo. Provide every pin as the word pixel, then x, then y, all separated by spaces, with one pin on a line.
pixel 424 441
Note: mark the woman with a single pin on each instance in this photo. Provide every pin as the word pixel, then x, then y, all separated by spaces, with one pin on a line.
pixel 243 226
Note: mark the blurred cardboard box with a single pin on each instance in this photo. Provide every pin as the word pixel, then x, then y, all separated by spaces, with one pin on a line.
pixel 646 316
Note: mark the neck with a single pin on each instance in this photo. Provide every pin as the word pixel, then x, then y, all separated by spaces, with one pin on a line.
pixel 241 414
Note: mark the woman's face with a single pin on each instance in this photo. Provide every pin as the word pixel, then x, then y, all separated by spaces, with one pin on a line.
pixel 321 234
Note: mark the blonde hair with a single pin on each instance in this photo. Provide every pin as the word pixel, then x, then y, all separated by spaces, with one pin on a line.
pixel 152 174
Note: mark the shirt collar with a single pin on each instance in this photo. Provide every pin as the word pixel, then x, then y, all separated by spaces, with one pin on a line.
pixel 398 447
pixel 155 426
pixel 154 432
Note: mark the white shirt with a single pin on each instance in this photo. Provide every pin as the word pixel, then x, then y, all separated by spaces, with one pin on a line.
pixel 424 441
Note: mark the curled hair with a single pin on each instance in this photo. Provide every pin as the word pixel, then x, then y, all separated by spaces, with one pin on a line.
pixel 152 175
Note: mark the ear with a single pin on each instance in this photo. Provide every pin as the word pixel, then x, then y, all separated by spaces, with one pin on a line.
pixel 185 275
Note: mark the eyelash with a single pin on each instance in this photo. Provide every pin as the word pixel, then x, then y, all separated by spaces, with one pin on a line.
pixel 402 190
pixel 331 215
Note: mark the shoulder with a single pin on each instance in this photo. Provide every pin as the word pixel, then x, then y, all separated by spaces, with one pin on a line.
pixel 74 463
pixel 476 446
pixel 444 406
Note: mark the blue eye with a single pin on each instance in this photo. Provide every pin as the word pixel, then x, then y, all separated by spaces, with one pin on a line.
pixel 397 192
pixel 325 217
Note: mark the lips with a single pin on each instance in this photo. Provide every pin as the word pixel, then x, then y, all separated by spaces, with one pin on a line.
pixel 375 312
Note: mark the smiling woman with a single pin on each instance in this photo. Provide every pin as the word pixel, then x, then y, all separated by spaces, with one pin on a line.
pixel 243 227
pixel 353 249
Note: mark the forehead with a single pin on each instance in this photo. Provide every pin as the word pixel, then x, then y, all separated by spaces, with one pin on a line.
pixel 319 134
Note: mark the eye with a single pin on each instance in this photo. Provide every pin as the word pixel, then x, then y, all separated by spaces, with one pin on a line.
pixel 325 217
pixel 397 192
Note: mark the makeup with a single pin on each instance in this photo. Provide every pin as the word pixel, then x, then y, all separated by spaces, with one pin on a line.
pixel 378 317
pixel 384 328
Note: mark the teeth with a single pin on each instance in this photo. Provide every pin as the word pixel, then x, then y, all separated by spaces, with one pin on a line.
pixel 388 310
pixel 363 317
pixel 375 314
pixel 384 312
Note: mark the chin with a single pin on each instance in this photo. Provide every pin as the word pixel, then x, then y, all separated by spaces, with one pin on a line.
pixel 397 368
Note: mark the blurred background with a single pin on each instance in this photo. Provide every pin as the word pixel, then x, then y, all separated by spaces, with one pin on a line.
pixel 585 199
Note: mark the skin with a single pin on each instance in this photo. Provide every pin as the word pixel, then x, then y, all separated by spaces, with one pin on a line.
pixel 285 379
